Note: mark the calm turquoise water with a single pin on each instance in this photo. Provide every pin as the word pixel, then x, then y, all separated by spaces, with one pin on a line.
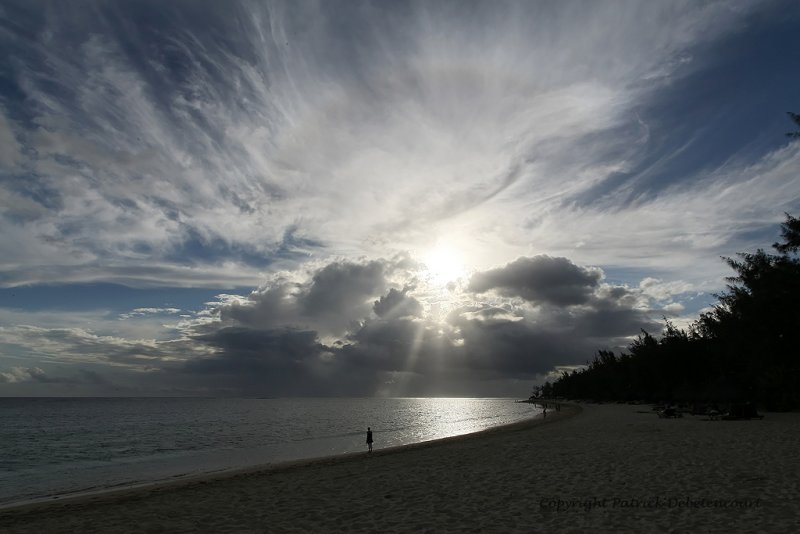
pixel 51 447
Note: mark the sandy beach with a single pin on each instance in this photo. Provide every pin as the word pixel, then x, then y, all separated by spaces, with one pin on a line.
pixel 588 468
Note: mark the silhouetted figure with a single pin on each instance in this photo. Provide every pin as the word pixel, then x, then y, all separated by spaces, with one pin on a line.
pixel 369 439
pixel 544 412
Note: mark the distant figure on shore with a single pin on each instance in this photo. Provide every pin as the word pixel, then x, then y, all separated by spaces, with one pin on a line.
pixel 544 411
pixel 369 439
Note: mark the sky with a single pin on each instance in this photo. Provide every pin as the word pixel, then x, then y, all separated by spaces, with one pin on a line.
pixel 379 198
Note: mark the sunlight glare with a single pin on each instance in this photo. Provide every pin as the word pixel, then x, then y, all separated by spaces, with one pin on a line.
pixel 443 265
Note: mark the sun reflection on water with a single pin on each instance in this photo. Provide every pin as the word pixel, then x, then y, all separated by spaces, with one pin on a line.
pixel 445 417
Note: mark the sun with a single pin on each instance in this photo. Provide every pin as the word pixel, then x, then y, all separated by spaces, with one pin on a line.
pixel 443 265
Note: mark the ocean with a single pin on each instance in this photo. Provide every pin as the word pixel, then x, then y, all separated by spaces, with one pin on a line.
pixel 52 447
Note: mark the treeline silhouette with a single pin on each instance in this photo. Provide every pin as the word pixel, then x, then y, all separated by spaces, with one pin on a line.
pixel 746 349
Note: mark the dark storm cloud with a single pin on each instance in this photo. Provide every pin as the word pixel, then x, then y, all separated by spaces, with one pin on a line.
pixel 516 347
pixel 265 307
pixel 337 296
pixel 341 291
pixel 269 340
pixel 252 357
pixel 397 304
pixel 615 324
pixel 273 362
pixel 391 345
pixel 38 375
pixel 364 327
pixel 540 279
pixel 282 346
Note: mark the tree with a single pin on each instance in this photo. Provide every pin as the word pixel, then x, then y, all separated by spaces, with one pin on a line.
pixel 790 230
pixel 796 119
pixel 747 348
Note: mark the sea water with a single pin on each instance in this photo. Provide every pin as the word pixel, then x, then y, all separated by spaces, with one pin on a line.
pixel 51 447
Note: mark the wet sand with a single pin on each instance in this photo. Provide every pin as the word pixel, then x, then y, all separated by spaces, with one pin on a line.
pixel 593 468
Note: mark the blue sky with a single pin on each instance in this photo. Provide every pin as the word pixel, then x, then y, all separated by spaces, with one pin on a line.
pixel 375 198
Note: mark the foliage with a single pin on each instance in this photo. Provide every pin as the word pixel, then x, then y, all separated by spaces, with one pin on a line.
pixel 746 348
pixel 795 119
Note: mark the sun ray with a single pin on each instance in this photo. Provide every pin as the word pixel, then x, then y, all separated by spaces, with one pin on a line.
pixel 411 359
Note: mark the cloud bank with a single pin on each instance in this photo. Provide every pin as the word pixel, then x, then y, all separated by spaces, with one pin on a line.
pixel 370 327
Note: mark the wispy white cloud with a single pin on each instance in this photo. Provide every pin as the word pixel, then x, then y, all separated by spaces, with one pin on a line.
pixel 15 374
pixel 141 312
pixel 683 231
pixel 77 345
pixel 400 129
pixel 10 149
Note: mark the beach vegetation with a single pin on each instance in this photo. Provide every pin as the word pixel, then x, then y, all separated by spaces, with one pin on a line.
pixel 746 348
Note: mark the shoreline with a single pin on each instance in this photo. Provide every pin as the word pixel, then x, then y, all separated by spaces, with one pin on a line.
pixel 206 477
pixel 615 468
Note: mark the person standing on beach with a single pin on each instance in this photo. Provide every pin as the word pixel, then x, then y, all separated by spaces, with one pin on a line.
pixel 369 439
